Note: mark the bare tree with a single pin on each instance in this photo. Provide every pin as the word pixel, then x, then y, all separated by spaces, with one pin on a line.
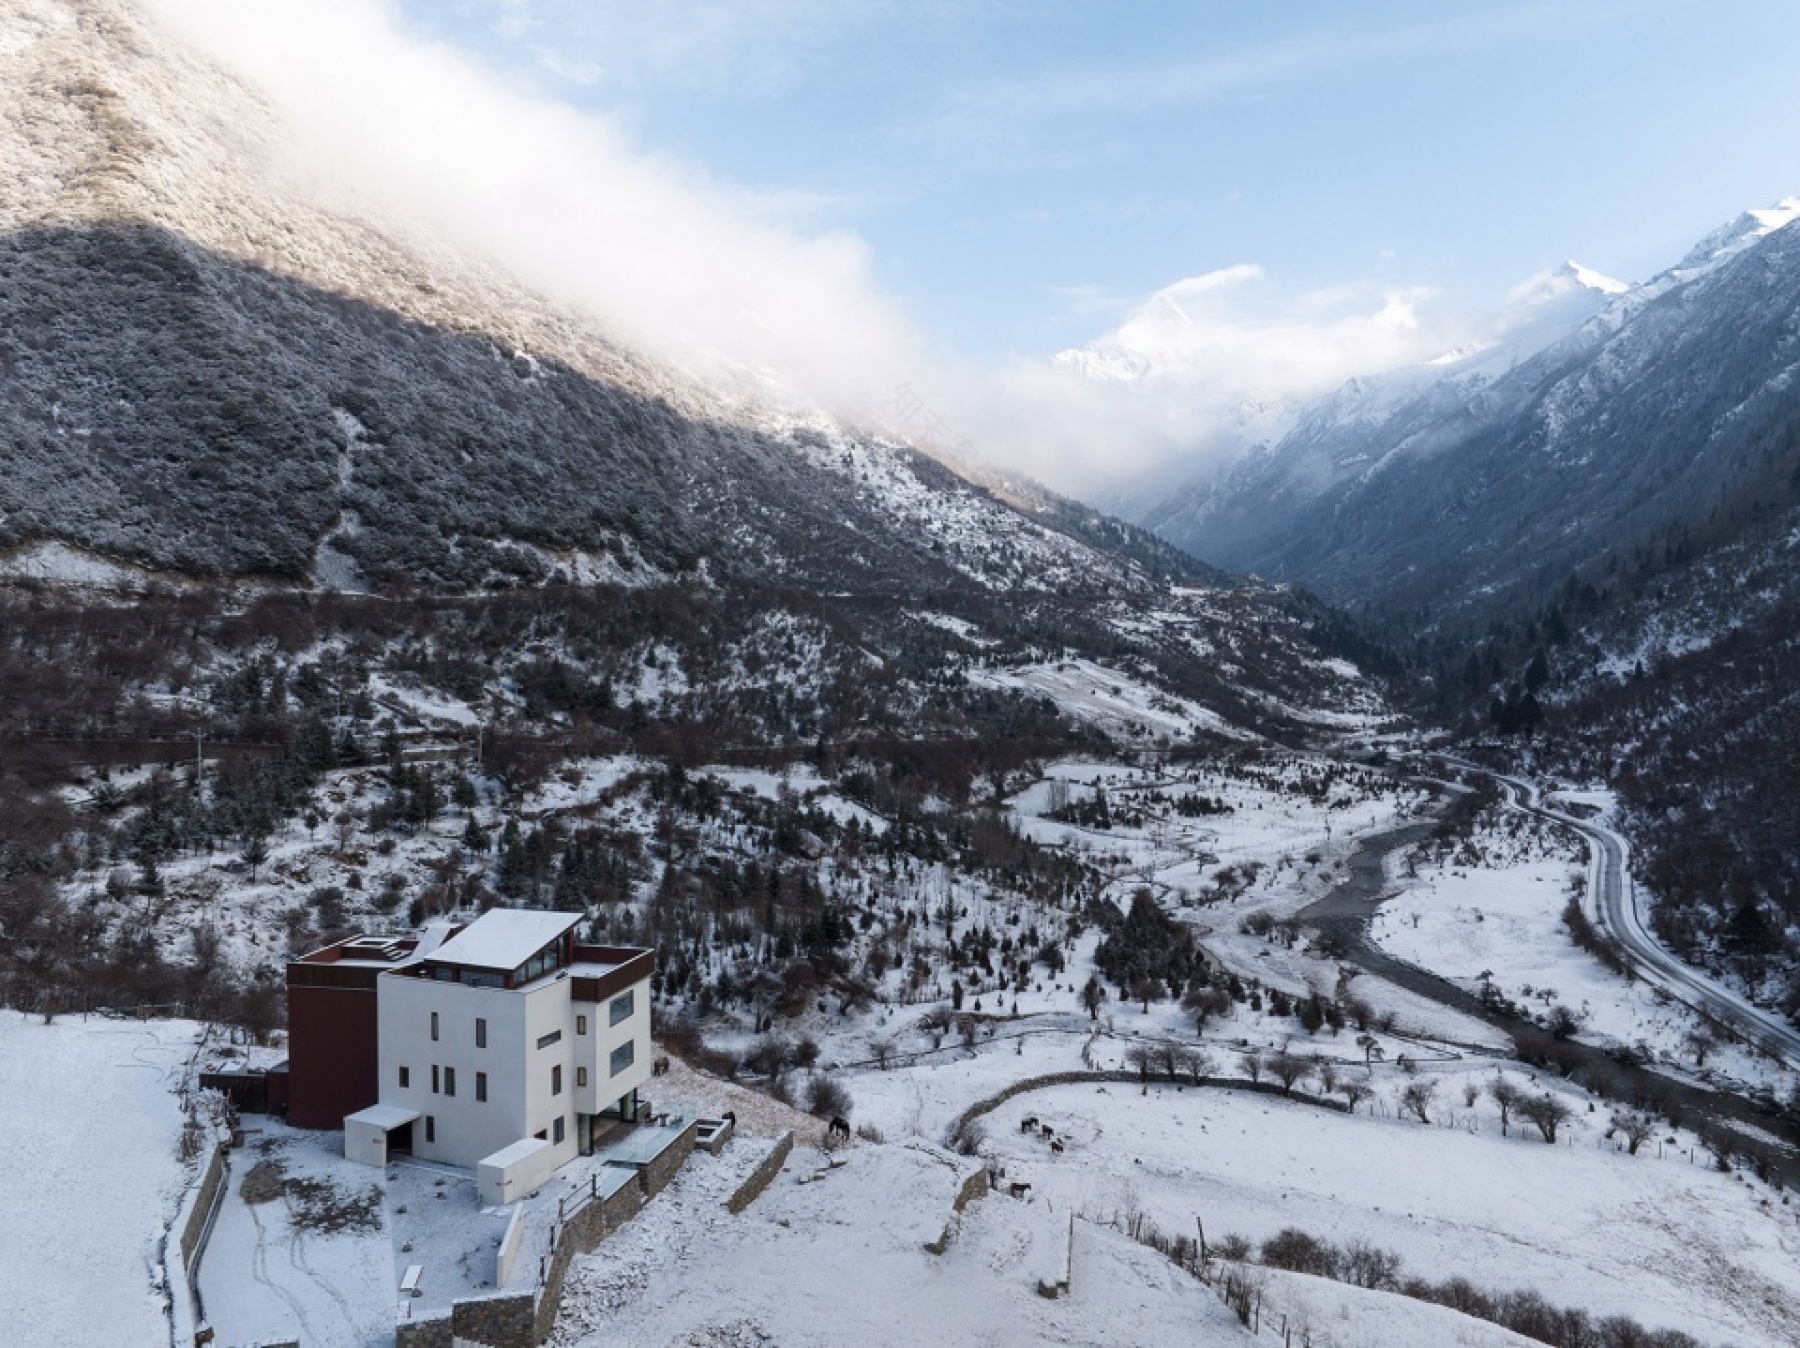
pixel 1546 1113
pixel 1371 1047
pixel 1253 1064
pixel 881 1049
pixel 1635 1125
pixel 1326 1070
pixel 1146 990
pixel 1204 1004
pixel 1364 1265
pixel 1354 1093
pixel 1701 1043
pixel 1416 1099
pixel 1506 1097
pixel 1142 1057
pixel 1288 1068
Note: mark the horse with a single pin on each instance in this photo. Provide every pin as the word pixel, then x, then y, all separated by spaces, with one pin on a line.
pixel 838 1128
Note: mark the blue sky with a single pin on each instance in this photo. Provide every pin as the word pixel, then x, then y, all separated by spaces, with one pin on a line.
pixel 1022 172
pixel 842 198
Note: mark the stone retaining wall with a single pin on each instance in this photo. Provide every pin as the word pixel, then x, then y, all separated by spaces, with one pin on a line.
pixel 764 1175
pixel 525 1319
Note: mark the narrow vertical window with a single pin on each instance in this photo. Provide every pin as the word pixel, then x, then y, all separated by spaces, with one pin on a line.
pixel 581 1076
pixel 556 1080
pixel 405 1076
pixel 434 1027
pixel 480 1032
pixel 434 1078
pixel 481 1086
pixel 430 1128
pixel 556 1131
pixel 449 1081
pixel 581 1025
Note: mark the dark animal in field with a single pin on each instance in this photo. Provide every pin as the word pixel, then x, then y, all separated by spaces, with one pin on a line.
pixel 1018 1190
pixel 1046 1130
pixel 1056 1147
pixel 660 1067
pixel 1028 1125
pixel 731 1117
pixel 839 1127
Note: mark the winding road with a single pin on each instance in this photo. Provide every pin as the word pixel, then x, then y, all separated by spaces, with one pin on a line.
pixel 1616 903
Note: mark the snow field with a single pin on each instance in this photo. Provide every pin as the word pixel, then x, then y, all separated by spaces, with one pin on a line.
pixel 1584 1226
pixel 91 1129
pixel 843 1261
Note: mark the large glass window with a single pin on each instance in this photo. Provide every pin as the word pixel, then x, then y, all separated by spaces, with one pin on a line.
pixel 621 1008
pixel 623 1056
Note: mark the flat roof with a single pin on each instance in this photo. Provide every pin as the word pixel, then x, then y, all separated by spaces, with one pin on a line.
pixel 514 1152
pixel 503 938
pixel 383 1116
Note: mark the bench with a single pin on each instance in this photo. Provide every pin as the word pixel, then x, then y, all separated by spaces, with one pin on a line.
pixel 410 1283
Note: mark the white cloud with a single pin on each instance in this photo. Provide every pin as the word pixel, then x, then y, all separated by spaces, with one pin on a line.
pixel 664 257
pixel 1206 363
pixel 710 275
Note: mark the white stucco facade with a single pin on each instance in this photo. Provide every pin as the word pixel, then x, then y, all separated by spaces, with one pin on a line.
pixel 521 1047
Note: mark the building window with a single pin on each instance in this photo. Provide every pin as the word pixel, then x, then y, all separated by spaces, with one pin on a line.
pixel 623 1056
pixel 449 1081
pixel 405 1077
pixel 434 1027
pixel 481 1087
pixel 434 1078
pixel 430 1128
pixel 545 1040
pixel 556 1080
pixel 581 1076
pixel 556 1129
pixel 621 1008
pixel 480 1032
pixel 581 1025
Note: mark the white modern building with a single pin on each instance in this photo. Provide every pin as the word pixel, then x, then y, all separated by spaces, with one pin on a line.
pixel 505 1048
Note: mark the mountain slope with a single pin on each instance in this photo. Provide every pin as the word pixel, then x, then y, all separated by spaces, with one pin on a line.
pixel 214 367
pixel 1674 399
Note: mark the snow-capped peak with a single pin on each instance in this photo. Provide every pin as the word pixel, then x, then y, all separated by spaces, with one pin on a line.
pixel 1589 279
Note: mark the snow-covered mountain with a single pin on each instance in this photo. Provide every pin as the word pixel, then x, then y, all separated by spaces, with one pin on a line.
pixel 213 366
pixel 1601 414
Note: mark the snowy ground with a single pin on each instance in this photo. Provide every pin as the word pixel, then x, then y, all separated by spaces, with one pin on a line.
pixel 91 1129
pixel 1671 1243
pixel 1504 919
pixel 843 1261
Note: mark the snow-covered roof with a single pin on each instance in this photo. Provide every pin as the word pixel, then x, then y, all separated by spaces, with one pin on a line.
pixel 504 938
pixel 513 1153
pixel 383 1116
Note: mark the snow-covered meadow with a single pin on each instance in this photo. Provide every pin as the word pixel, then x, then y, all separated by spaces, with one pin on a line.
pixel 91 1129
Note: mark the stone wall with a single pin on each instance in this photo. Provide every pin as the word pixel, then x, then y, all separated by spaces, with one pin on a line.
pixel 764 1175
pixel 525 1319
pixel 424 1334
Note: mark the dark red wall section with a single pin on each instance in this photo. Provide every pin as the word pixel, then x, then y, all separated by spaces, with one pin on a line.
pixel 332 1063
